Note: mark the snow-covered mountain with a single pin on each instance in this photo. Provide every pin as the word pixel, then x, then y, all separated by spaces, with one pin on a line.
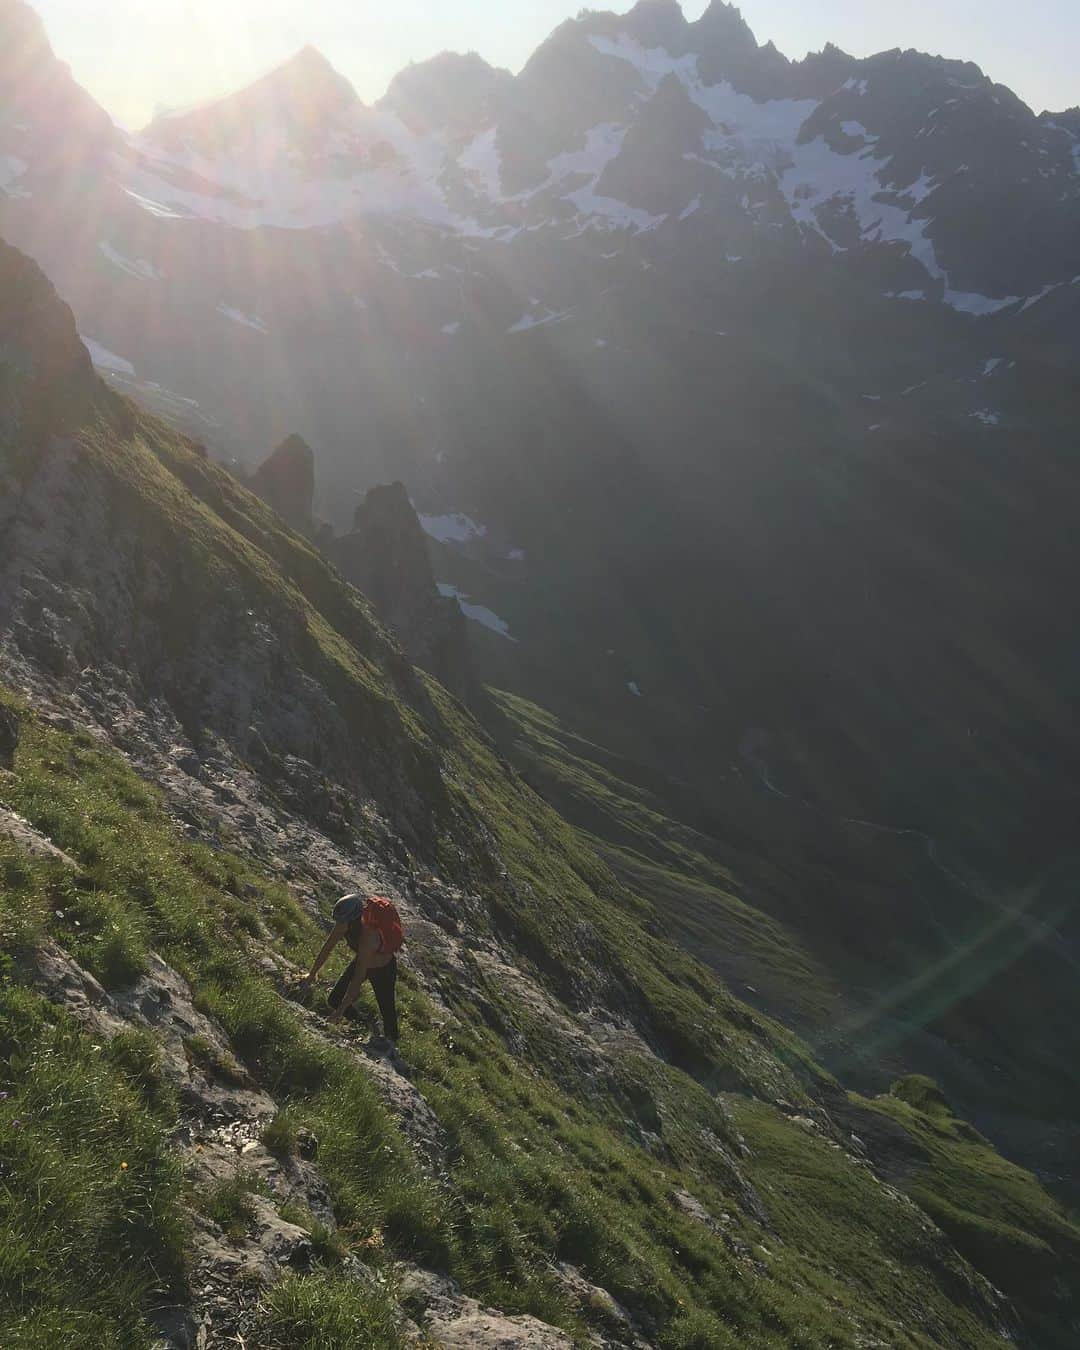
pixel 681 326
pixel 629 125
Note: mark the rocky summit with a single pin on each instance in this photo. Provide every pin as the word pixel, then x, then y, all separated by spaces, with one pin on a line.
pixel 660 597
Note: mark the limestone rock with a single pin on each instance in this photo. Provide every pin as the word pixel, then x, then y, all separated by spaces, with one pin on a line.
pixel 22 833
pixel 455 1322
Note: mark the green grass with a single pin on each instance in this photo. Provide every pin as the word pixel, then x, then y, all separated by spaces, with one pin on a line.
pixel 694 897
pixel 91 1226
pixel 542 1165
pixel 550 1155
pixel 328 1312
pixel 279 1135
pixel 328 1246
pixel 997 1214
pixel 229 1204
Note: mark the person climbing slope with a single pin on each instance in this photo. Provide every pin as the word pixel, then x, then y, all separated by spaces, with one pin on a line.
pixel 371 926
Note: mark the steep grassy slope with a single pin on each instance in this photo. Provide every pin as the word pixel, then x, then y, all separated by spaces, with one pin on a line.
pixel 872 941
pixel 541 1168
pixel 697 899
pixel 214 737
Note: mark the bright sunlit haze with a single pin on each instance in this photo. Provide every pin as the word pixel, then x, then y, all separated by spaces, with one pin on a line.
pixel 140 56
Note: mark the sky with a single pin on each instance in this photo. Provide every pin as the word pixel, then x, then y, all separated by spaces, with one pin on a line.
pixel 138 56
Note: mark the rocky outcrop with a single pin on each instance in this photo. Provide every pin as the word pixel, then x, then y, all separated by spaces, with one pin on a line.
pixel 46 379
pixel 286 482
pixel 386 557
pixel 458 1323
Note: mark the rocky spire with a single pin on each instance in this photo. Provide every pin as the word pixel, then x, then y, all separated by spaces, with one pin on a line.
pixel 286 482
pixel 43 364
pixel 386 556
pixel 657 23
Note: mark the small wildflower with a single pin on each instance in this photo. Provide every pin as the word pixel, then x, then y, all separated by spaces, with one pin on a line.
pixel 123 1167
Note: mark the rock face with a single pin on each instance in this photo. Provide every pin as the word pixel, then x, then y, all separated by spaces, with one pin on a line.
pixel 286 482
pixel 45 371
pixel 386 557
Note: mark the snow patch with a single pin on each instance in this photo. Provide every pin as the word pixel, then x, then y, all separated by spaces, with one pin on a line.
pixel 758 141
pixel 104 359
pixel 152 207
pixel 971 302
pixel 602 144
pixel 371 163
pixel 635 689
pixel 689 209
pixel 987 417
pixel 11 169
pixel 238 316
pixel 452 529
pixel 138 268
pixel 992 365
pixel 481 164
pixel 858 132
pixel 528 320
pixel 1040 295
pixel 450 329
pixel 478 613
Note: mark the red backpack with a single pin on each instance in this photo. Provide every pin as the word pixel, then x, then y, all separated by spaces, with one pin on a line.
pixel 382 915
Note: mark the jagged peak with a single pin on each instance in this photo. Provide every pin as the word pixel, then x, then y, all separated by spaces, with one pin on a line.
pixel 726 21
pixel 304 75
pixel 447 89
pixel 22 23
pixel 656 23
pixel 305 87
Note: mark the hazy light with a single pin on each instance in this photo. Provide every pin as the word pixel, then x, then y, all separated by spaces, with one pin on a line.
pixel 136 56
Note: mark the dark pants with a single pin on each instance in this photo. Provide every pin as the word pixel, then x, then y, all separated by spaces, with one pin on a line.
pixel 383 983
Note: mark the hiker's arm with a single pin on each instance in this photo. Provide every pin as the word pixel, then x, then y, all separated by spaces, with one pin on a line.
pixel 336 934
pixel 368 947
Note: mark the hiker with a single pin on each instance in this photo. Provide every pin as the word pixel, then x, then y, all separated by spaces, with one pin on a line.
pixel 372 928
